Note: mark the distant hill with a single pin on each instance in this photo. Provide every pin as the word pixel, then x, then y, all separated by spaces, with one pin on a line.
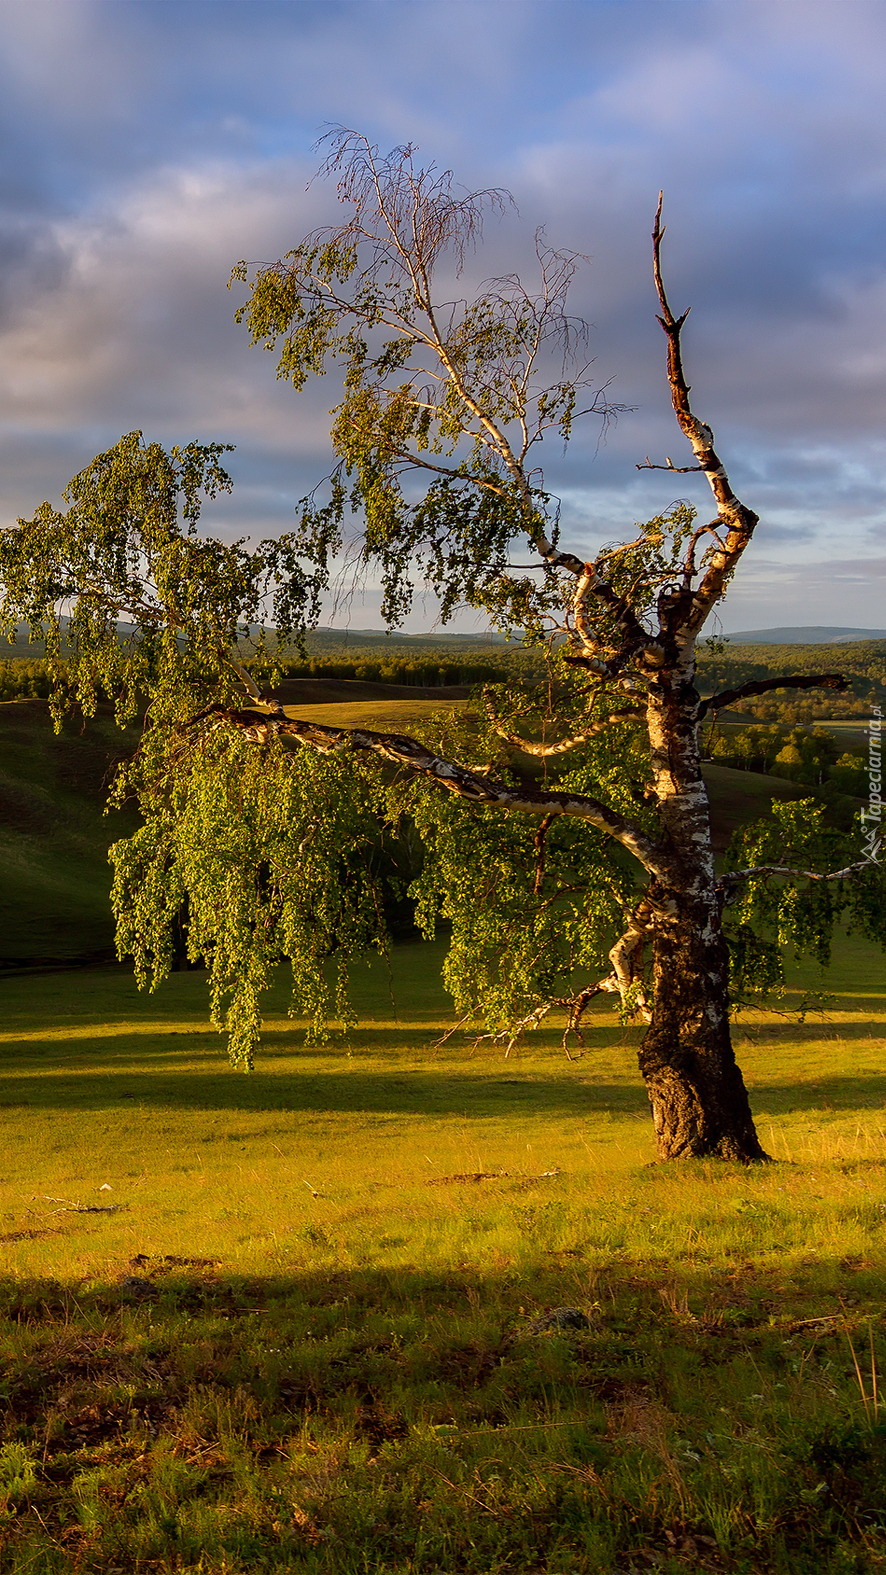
pixel 322 640
pixel 813 634
pixel 319 641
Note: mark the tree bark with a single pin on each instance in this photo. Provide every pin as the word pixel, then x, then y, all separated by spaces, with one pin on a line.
pixel 699 1101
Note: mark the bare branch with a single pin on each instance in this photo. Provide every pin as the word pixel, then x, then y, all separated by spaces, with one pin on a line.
pixel 739 520
pixel 689 561
pixel 416 206
pixel 730 879
pixel 679 470
pixel 245 677
pixel 413 461
pixel 762 686
pixel 544 751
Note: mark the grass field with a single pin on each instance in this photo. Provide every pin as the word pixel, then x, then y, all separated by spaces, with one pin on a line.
pixel 304 1320
pixel 378 711
pixel 287 1322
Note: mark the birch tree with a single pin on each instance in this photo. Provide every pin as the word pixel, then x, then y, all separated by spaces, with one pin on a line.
pixel 565 826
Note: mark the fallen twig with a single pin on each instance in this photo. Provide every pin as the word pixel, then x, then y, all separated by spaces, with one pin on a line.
pixel 84 1208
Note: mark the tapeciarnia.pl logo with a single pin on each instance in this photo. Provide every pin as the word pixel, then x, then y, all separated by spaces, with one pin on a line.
pixel 871 817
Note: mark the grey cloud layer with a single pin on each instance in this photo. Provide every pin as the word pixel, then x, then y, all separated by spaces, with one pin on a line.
pixel 149 146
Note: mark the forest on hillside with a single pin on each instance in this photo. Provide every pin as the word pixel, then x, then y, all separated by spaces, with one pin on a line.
pixel 436 662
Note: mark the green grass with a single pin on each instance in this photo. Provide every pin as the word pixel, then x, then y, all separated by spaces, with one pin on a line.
pixel 344 1377
pixel 739 796
pixel 848 733
pixel 285 1322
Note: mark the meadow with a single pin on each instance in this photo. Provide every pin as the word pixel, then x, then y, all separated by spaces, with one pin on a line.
pixel 307 1319
pixel 402 1303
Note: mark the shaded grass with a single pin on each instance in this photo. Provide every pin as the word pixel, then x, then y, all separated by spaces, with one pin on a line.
pixel 54 836
pixel 302 1339
pixel 402 1421
pixel 737 797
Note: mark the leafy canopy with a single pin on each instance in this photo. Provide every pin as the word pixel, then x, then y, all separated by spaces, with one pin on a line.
pixel 454 393
pixel 265 844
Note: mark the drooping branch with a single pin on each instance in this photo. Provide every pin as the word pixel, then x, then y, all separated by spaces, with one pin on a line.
pixel 626 980
pixel 261 726
pixel 762 686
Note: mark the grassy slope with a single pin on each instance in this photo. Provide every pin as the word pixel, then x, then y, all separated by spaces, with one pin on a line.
pixel 54 876
pixel 54 837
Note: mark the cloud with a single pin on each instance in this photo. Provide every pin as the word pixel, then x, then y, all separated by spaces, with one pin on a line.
pixel 778 592
pixel 148 146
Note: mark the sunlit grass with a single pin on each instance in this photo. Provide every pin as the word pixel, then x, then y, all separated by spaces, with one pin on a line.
pixel 393 715
pixel 339 1373
pixel 104 1088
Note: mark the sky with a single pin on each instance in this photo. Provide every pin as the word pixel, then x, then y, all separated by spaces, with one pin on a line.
pixel 147 145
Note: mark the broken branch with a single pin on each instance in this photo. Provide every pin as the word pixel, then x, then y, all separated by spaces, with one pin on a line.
pixel 762 686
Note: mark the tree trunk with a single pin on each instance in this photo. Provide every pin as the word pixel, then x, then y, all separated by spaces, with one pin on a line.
pixel 699 1101
pixel 697 1093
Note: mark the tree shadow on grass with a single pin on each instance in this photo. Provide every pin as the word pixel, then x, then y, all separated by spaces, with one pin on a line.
pixel 409 1416
pixel 865 1093
pixel 423 1094
pixel 154 1080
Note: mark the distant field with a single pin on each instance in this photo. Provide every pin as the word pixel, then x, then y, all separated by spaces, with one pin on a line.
pixel 378 711
pixel 849 733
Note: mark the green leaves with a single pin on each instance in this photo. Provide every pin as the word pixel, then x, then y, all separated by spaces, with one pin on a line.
pixel 790 904
pixel 125 570
pixel 532 907
pixel 442 401
pixel 267 855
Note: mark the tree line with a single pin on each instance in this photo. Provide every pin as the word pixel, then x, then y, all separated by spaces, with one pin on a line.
pixel 862 664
